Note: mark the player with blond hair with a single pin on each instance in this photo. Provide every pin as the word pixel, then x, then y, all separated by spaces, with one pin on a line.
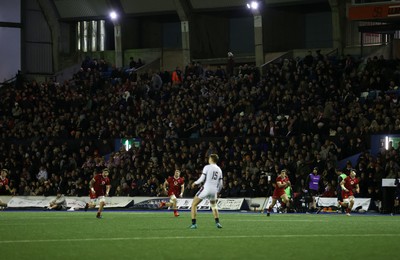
pixel 174 187
pixel 349 184
pixel 282 182
pixel 212 178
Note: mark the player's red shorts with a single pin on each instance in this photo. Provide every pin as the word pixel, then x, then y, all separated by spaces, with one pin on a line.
pixel 347 194
pixel 278 193
pixel 92 195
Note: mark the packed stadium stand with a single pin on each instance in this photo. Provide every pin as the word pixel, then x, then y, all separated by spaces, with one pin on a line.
pixel 297 113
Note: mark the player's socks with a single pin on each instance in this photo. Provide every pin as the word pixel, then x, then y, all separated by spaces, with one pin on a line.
pixel 269 211
pixel 194 221
pixel 217 223
pixel 284 207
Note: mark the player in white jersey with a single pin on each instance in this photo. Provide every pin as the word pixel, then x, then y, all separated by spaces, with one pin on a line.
pixel 212 178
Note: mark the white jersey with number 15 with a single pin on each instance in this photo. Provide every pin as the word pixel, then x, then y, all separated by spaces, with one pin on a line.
pixel 212 178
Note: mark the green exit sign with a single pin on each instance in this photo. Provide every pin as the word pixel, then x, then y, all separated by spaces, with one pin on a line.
pixel 129 143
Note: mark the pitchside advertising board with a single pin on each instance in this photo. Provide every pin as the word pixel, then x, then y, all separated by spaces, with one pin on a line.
pixel 151 203
pixel 72 202
pixel 186 204
pixel 142 203
pixel 222 204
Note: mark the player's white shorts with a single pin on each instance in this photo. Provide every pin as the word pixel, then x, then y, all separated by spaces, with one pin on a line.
pixel 98 200
pixel 204 193
pixel 172 197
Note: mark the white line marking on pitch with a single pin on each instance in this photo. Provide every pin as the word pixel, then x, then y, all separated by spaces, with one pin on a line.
pixel 275 220
pixel 193 237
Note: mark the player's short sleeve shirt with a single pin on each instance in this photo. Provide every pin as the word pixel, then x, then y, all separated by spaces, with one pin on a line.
pixel 100 184
pixel 175 185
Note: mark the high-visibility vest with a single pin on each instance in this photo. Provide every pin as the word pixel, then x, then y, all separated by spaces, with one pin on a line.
pixel 176 78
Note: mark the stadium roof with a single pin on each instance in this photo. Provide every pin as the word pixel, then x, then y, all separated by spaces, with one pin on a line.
pixel 82 9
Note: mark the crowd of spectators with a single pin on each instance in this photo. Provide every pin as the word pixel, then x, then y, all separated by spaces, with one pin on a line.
pixel 302 113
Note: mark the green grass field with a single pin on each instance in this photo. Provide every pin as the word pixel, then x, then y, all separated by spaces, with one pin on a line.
pixel 160 235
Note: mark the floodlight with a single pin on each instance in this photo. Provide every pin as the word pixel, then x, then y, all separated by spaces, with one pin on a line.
pixel 113 15
pixel 253 5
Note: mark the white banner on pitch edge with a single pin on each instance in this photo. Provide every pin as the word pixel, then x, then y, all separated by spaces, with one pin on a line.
pixel 332 202
pixel 329 202
pixel 42 202
pixel 230 204
pixel 222 204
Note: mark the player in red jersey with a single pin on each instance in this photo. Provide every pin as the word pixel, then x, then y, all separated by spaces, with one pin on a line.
pixel 99 189
pixel 174 185
pixel 4 189
pixel 282 182
pixel 349 184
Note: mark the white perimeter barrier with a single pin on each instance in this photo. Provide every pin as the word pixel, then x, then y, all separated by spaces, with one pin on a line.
pixel 233 204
